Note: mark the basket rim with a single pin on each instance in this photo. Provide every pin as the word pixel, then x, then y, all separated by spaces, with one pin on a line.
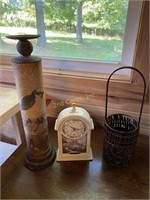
pixel 122 132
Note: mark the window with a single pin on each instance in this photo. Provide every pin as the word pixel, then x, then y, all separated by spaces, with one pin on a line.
pixel 64 53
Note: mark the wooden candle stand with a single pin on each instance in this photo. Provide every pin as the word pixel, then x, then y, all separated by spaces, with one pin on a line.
pixel 29 83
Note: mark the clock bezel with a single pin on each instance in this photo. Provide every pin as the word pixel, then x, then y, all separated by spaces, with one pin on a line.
pixel 74 137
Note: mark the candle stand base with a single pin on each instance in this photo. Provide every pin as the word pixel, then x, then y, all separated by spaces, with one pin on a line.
pixel 39 162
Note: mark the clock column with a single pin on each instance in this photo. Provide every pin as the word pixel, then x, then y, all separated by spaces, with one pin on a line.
pixel 29 84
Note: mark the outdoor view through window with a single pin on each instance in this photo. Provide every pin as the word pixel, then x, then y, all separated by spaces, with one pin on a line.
pixel 80 29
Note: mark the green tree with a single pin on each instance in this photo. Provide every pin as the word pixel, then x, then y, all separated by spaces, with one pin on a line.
pixel 17 13
pixel 59 15
pixel 101 16
pixel 107 15
pixel 79 22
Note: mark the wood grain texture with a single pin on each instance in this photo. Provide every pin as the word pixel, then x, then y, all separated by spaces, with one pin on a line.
pixel 91 95
pixel 10 165
pixel 19 133
pixel 7 133
pixel 141 60
pixel 74 83
pixel 9 104
pixel 97 113
pixel 10 117
pixel 66 98
pixel 81 179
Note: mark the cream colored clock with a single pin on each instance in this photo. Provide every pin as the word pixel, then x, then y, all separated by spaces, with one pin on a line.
pixel 74 126
pixel 74 129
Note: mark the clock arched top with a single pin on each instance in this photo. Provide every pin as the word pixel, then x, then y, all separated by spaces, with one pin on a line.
pixel 74 113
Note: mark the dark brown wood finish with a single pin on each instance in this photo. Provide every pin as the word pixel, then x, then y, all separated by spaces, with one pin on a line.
pixel 81 179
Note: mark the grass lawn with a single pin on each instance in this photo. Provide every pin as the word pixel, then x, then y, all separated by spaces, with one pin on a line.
pixel 64 45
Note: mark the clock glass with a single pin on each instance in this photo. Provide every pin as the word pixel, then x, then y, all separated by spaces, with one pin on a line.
pixel 74 129
pixel 74 137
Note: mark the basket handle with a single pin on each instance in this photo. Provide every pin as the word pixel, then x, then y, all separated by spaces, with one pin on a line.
pixel 144 91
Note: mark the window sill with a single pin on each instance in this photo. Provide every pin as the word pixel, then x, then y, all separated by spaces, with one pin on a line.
pixel 77 68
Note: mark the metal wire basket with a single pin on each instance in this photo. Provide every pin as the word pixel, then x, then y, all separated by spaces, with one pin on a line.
pixel 121 131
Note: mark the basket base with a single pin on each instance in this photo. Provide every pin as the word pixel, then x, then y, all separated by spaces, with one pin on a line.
pixel 117 156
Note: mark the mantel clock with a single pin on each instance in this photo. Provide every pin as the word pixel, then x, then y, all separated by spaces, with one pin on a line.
pixel 74 126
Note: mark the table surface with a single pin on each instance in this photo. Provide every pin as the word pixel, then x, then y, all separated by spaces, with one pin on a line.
pixel 9 104
pixel 82 179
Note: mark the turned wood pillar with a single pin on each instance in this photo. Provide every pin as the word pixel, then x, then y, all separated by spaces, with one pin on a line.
pixel 29 84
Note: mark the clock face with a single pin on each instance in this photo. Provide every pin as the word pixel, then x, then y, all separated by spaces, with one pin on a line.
pixel 74 129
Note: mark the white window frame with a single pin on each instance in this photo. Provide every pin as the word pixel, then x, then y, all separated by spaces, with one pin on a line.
pixel 94 68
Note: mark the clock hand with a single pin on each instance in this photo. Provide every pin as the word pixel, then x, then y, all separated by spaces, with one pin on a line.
pixel 75 128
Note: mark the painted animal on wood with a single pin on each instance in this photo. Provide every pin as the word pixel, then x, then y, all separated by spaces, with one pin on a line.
pixel 29 100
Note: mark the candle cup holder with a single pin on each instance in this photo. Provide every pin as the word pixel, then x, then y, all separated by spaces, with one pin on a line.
pixel 29 83
pixel 121 131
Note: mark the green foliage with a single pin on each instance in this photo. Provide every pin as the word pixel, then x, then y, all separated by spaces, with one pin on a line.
pixel 59 15
pixel 99 16
pixel 17 13
pixel 108 16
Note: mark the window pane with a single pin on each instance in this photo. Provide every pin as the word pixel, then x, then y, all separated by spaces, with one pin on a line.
pixel 92 29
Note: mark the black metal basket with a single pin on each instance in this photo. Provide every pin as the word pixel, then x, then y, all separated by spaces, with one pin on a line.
pixel 121 132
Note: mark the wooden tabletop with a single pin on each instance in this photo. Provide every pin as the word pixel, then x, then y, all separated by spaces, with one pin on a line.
pixel 80 179
pixel 9 104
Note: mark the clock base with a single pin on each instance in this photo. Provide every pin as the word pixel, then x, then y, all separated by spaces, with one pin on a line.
pixel 74 157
